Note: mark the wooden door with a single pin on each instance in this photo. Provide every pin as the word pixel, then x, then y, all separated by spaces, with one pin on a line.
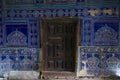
pixel 59 44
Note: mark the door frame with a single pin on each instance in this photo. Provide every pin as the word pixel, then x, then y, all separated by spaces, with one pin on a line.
pixel 78 39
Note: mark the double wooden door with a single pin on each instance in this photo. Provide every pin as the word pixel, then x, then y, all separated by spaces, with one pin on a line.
pixel 59 44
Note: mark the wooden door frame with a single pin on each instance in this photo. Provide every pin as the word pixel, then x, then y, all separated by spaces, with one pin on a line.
pixel 61 73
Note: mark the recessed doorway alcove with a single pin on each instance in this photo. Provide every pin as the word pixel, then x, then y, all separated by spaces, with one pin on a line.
pixel 60 39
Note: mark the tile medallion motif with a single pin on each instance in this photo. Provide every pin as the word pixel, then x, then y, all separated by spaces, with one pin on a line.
pixel 98 60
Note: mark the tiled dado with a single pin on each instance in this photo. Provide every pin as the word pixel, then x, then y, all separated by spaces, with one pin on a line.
pixel 18 59
pixel 99 60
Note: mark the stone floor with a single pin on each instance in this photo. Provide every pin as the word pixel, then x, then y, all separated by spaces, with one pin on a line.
pixel 34 75
pixel 96 78
pixel 69 78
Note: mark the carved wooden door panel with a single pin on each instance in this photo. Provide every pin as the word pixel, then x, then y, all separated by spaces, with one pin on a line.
pixel 59 44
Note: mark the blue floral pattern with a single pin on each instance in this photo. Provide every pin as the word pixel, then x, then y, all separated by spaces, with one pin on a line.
pixel 98 52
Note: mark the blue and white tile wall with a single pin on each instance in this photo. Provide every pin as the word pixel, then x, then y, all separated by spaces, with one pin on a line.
pixel 1 35
pixel 100 33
